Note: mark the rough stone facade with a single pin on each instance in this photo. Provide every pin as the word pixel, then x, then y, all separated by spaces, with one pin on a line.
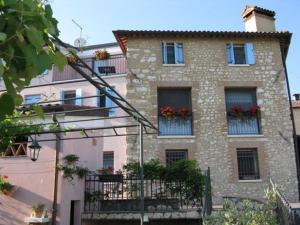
pixel 207 73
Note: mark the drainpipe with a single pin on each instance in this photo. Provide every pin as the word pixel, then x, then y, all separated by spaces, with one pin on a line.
pixel 141 172
pixel 293 120
pixel 55 189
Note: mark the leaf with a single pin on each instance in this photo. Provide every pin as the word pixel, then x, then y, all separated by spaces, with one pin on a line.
pixel 18 99
pixel 7 105
pixel 72 50
pixel 35 37
pixel 3 37
pixel 60 60
pixel 20 36
pixel 39 111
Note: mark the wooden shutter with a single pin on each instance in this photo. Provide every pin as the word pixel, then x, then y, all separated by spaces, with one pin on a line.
pixel 249 53
pixel 230 53
pixel 178 50
pixel 78 95
pixel 110 103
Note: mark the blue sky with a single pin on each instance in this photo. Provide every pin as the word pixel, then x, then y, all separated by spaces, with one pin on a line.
pixel 99 17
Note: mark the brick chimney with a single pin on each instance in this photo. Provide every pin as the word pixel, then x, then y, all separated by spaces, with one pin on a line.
pixel 257 19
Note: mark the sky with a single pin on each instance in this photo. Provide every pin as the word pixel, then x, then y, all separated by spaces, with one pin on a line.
pixel 99 17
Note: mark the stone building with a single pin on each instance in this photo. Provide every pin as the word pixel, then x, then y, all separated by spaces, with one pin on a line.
pixel 226 98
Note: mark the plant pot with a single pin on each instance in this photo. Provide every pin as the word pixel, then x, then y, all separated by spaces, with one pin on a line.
pixel 10 191
pixel 37 213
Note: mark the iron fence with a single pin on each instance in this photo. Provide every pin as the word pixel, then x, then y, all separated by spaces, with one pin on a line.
pixel 176 125
pixel 117 192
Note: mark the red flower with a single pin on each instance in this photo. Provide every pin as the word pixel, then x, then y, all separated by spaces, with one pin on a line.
pixel 236 110
pixel 167 111
pixel 5 177
pixel 253 110
pixel 184 112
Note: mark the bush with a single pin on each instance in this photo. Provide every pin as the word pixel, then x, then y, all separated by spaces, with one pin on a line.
pixel 249 213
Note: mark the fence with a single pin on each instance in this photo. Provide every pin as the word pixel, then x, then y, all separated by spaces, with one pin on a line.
pixel 117 192
pixel 287 214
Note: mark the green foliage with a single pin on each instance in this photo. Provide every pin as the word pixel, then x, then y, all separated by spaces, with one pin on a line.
pixel 184 171
pixel 71 169
pixel 10 127
pixel 26 47
pixel 248 213
pixel 38 207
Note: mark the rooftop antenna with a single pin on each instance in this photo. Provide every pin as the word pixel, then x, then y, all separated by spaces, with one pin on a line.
pixel 80 27
pixel 79 42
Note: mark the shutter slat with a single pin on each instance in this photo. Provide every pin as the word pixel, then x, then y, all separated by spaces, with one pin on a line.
pixel 249 53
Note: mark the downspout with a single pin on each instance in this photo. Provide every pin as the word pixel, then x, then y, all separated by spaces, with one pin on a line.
pixel 292 118
pixel 57 151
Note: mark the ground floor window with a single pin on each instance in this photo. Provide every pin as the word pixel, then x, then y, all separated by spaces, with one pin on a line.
pixel 247 164
pixel 108 160
pixel 176 155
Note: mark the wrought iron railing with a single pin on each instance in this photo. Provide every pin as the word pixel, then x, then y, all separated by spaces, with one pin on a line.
pixel 115 64
pixel 116 192
pixel 240 126
pixel 287 214
pixel 176 125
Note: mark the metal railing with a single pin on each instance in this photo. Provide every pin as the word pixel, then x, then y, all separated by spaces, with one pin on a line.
pixel 175 126
pixel 287 214
pixel 117 193
pixel 237 126
pixel 115 64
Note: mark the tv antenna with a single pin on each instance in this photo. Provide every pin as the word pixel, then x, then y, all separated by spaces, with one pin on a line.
pixel 79 42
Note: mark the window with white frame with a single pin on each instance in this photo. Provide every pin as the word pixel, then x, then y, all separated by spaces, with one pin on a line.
pixel 32 99
pixel 105 101
pixel 248 168
pixel 72 97
pixel 176 155
pixel 240 53
pixel 108 160
pixel 172 53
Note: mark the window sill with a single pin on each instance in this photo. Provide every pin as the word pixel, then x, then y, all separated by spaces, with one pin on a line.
pixel 250 181
pixel 239 65
pixel 246 136
pixel 173 65
pixel 176 136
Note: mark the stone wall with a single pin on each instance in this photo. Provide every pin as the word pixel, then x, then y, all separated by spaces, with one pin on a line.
pixel 207 73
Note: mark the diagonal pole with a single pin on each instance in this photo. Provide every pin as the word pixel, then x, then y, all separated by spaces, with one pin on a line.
pixel 141 171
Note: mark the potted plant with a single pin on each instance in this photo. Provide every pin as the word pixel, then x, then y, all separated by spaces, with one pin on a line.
pixel 72 58
pixel 38 210
pixel 102 54
pixel 254 111
pixel 5 187
pixel 184 112
pixel 168 112
pixel 236 111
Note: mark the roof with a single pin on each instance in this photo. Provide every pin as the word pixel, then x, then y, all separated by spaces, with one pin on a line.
pixel 105 45
pixel 296 104
pixel 122 35
pixel 251 9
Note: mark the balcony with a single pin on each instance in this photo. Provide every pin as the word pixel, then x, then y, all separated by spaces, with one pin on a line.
pixel 175 126
pixel 114 65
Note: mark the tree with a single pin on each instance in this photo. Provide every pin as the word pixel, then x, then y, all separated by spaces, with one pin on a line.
pixel 27 28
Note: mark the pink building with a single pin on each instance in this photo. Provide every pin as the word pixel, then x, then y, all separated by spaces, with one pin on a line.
pixel 35 182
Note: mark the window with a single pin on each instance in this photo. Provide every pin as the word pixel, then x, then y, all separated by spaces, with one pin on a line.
pixel 243 114
pixel 172 53
pixel 104 101
pixel 178 99
pixel 247 164
pixel 69 97
pixel 108 160
pixel 175 155
pixel 32 99
pixel 106 69
pixel 240 53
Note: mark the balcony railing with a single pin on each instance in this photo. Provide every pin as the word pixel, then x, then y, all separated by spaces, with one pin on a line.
pixel 176 125
pixel 240 126
pixel 119 193
pixel 115 64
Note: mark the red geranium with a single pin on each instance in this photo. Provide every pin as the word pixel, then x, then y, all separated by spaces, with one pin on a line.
pixel 5 177
pixel 167 111
pixel 254 110
pixel 236 110
pixel 184 112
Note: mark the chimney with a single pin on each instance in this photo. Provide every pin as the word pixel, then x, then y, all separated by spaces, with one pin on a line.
pixel 297 97
pixel 257 19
